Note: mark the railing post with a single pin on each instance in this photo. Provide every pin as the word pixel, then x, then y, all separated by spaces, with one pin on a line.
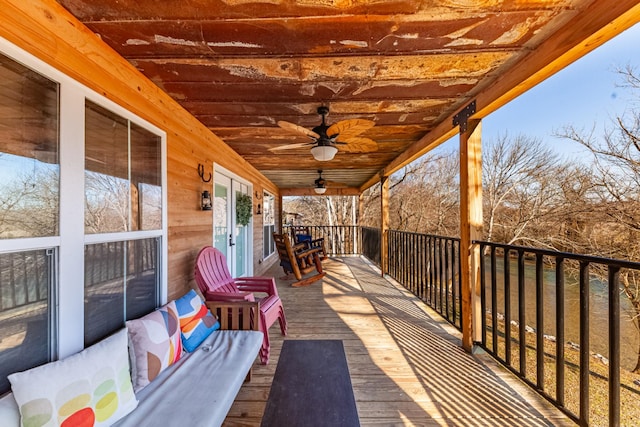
pixel 614 345
pixel 470 230
pixel 384 223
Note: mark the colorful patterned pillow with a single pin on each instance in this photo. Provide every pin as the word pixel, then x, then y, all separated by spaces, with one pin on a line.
pixel 92 387
pixel 155 344
pixel 196 321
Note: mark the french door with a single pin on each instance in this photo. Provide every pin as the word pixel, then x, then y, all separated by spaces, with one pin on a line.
pixel 231 238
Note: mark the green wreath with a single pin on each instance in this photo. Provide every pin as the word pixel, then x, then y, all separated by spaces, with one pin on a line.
pixel 244 209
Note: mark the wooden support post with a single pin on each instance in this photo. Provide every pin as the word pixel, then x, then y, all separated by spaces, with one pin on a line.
pixel 280 221
pixel 384 223
pixel 470 230
pixel 358 233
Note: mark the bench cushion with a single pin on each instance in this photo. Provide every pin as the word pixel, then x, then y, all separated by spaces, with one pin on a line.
pixel 199 389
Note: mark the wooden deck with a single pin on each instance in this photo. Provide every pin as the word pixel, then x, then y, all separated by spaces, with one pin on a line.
pixel 406 364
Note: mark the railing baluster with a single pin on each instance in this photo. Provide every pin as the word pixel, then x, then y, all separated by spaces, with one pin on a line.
pixel 414 264
pixel 459 286
pixel 483 294
pixel 440 275
pixel 584 343
pixel 560 331
pixel 539 322
pixel 419 256
pixel 432 271
pixel 614 346
pixel 522 315
pixel 446 280
pixel 507 307
pixel 494 303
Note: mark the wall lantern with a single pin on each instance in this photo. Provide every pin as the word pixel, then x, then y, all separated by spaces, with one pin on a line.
pixel 206 201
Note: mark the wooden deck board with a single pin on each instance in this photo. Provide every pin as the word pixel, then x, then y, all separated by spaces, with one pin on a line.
pixel 406 364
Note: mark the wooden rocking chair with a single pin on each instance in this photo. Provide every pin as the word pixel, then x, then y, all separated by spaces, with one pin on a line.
pixel 298 260
pixel 302 234
pixel 215 282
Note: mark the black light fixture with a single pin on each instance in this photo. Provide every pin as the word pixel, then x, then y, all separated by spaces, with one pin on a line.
pixel 320 187
pixel 258 210
pixel 206 201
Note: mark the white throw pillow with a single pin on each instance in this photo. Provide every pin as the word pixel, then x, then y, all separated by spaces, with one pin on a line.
pixel 92 387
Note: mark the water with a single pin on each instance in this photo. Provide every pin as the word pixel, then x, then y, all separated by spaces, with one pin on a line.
pixel 598 308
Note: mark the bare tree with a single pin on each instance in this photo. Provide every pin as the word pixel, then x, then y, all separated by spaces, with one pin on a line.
pixel 423 197
pixel 519 187
pixel 616 206
pixel 106 203
pixel 323 210
pixel 29 203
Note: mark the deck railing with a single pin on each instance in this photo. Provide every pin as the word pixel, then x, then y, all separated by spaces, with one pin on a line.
pixel 371 238
pixel 526 323
pixel 429 267
pixel 338 239
pixel 551 318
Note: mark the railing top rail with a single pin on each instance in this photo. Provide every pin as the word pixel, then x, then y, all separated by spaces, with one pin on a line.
pixel 318 226
pixel 558 254
pixel 437 236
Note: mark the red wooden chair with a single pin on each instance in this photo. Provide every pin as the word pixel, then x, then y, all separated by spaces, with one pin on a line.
pixel 215 282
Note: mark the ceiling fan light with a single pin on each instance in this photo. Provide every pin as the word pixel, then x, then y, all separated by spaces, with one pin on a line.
pixel 324 153
pixel 320 190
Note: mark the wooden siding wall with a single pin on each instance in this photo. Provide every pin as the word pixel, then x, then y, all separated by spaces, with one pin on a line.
pixel 46 30
pixel 260 265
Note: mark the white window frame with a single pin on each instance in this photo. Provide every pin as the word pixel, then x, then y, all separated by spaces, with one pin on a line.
pixel 72 239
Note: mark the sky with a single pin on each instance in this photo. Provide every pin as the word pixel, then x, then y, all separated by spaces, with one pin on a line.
pixel 584 94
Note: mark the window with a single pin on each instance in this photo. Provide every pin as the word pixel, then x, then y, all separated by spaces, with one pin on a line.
pixel 122 194
pixel 29 166
pixel 80 241
pixel 121 283
pixel 269 224
pixel 29 211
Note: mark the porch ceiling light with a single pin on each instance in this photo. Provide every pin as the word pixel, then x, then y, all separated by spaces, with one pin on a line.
pixel 324 153
pixel 320 187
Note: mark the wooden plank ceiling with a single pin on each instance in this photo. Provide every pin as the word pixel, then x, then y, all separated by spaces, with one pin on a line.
pixel 240 66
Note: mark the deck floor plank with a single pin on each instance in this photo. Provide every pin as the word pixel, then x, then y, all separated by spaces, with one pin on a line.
pixel 406 364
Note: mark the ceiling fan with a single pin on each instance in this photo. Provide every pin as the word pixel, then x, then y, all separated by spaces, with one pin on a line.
pixel 327 139
pixel 321 184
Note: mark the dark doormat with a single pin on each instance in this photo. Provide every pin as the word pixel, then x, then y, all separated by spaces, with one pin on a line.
pixel 311 387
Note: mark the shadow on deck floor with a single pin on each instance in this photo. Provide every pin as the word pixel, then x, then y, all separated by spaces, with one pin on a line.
pixel 406 363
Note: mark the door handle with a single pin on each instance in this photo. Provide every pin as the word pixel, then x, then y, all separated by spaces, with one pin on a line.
pixel 231 240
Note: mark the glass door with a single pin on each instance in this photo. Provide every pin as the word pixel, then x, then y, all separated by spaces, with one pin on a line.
pixel 229 236
pixel 222 215
pixel 241 238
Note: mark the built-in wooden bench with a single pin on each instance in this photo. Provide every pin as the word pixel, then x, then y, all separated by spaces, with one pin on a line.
pixel 199 389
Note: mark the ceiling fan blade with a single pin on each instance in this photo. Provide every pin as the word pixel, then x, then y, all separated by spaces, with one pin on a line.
pixel 358 145
pixel 298 129
pixel 292 146
pixel 349 128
